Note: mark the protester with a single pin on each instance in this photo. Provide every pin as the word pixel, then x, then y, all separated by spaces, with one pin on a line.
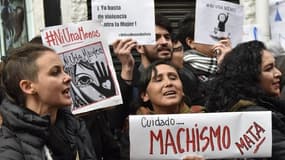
pixel 248 80
pixel 148 53
pixel 36 123
pixel 104 143
pixel 161 92
pixel 189 80
pixel 162 50
pixel 130 73
pixel 198 58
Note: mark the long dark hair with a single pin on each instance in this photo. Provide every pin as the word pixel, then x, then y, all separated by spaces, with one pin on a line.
pixel 238 77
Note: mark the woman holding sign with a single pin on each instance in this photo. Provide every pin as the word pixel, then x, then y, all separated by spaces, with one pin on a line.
pixel 36 124
pixel 161 92
pixel 248 80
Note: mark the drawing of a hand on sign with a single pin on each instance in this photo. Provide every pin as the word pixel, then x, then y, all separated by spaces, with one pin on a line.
pixel 106 84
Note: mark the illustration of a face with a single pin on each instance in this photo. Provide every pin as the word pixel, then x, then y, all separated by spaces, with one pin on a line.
pixel 222 17
pixel 83 84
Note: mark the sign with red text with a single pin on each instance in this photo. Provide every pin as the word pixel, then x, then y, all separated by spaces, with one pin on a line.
pixel 211 135
pixel 216 20
pixel 87 59
pixel 126 19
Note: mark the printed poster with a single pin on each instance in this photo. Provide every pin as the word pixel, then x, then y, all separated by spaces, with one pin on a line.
pixel 211 135
pixel 126 19
pixel 87 59
pixel 216 20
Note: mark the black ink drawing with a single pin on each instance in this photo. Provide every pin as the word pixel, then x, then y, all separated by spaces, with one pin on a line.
pixel 220 31
pixel 91 82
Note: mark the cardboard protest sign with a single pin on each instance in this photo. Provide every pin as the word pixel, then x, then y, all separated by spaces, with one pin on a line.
pixel 277 22
pixel 215 20
pixel 87 60
pixel 212 135
pixel 124 19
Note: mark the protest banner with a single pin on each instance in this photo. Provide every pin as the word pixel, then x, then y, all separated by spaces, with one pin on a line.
pixel 211 135
pixel 87 59
pixel 124 19
pixel 215 20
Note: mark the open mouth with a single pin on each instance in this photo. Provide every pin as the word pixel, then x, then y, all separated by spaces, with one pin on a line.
pixel 66 91
pixel 276 85
pixel 169 93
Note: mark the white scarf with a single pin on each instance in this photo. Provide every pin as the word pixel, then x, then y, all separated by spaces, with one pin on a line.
pixel 200 62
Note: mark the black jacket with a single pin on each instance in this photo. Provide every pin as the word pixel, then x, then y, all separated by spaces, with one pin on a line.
pixel 105 143
pixel 68 136
pixel 24 134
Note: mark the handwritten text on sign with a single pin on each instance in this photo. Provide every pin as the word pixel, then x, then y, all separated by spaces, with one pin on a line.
pixel 213 135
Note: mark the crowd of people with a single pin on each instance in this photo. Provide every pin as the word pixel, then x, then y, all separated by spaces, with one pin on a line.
pixel 176 75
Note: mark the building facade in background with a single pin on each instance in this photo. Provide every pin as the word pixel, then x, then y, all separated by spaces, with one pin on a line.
pixel 21 20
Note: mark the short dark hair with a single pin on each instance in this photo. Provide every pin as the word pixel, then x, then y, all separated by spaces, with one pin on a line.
pixel 186 28
pixel 18 65
pixel 162 21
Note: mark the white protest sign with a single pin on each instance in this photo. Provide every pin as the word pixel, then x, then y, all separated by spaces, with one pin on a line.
pixel 126 19
pixel 277 21
pixel 87 60
pixel 212 135
pixel 215 20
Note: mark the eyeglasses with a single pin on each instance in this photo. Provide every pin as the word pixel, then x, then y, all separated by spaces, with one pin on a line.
pixel 178 49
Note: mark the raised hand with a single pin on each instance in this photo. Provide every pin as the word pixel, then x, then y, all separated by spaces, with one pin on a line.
pixel 122 49
pixel 221 49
